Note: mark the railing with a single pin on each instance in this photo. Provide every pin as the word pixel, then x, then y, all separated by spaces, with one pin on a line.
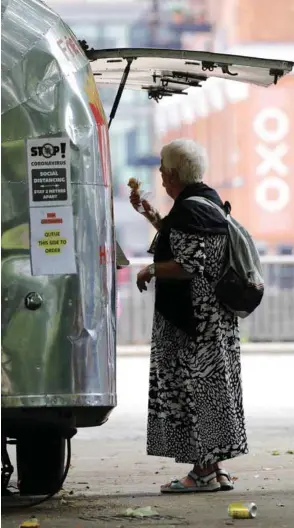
pixel 273 320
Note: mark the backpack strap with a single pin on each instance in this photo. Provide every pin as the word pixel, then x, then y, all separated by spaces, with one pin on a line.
pixel 208 202
pixel 220 210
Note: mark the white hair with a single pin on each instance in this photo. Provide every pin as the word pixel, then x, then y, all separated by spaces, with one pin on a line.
pixel 186 157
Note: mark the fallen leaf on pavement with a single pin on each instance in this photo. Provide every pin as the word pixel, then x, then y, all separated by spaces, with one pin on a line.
pixel 140 512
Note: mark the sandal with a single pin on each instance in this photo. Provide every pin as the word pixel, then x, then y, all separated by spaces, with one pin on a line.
pixel 202 484
pixel 225 486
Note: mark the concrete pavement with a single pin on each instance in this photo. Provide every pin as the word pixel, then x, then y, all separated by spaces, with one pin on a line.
pixel 110 471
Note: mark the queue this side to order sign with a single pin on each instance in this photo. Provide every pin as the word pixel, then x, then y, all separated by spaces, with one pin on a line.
pixel 51 214
pixel 52 241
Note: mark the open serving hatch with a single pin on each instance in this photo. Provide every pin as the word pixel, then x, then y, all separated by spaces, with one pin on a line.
pixel 162 73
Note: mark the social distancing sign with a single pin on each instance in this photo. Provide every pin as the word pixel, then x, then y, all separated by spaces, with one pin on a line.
pixel 52 241
pixel 48 161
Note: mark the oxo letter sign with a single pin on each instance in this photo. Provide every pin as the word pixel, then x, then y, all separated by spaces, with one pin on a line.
pixel 272 192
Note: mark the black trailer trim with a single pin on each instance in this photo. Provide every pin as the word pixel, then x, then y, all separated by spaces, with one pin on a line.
pixel 120 90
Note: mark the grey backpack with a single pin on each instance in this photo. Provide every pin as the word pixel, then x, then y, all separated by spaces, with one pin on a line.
pixel 241 285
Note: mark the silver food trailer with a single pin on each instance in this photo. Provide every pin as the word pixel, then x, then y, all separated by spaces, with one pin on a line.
pixel 59 253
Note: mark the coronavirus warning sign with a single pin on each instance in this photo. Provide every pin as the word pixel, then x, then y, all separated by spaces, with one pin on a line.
pixel 52 241
pixel 49 171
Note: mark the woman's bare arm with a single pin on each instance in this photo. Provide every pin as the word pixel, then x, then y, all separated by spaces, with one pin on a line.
pixel 171 270
pixel 152 216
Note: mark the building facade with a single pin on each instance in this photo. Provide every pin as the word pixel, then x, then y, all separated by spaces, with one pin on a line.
pixel 248 131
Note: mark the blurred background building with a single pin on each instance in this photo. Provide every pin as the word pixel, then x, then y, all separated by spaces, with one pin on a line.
pixel 248 132
pixel 130 23
pixel 251 163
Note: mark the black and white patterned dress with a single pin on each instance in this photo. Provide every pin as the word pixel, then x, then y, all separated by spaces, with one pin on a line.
pixel 195 395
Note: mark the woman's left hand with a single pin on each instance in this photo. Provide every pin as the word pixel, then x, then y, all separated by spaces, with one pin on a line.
pixel 143 277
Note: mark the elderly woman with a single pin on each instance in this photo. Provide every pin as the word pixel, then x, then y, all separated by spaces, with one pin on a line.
pixel 195 410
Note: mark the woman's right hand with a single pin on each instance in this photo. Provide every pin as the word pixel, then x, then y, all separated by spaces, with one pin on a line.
pixel 143 207
pixel 148 211
pixel 135 200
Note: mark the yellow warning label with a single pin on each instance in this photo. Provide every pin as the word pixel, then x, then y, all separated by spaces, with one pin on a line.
pixel 53 243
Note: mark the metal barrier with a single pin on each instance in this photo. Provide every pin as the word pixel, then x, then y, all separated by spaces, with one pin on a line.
pixel 273 321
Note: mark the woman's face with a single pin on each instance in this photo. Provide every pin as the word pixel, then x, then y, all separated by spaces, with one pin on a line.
pixel 167 179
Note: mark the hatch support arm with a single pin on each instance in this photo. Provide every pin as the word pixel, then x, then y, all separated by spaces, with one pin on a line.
pixel 120 91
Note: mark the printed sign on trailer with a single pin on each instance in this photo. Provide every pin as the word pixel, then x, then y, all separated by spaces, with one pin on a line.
pixel 49 171
pixel 52 241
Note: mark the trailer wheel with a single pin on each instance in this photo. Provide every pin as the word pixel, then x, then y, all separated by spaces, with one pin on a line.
pixel 40 463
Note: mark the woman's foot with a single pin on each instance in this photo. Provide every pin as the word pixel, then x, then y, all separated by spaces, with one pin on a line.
pixel 193 483
pixel 223 478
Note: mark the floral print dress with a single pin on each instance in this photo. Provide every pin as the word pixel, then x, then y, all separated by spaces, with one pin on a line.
pixel 195 412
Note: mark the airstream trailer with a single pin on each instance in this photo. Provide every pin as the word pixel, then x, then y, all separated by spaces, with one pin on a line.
pixel 59 253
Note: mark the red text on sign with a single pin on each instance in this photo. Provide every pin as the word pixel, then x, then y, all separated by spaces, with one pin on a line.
pixel 69 47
